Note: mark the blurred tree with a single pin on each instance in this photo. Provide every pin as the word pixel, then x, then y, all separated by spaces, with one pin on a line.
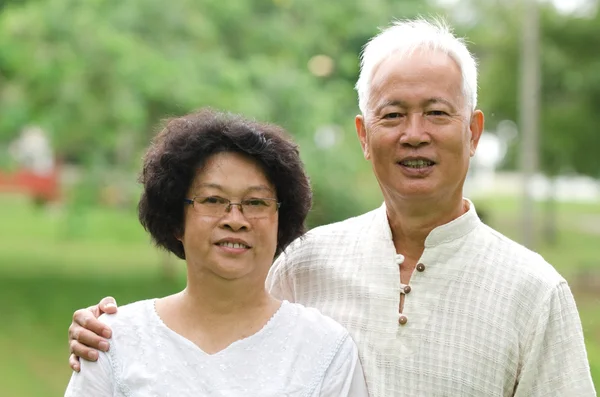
pixel 99 74
pixel 570 81
pixel 570 92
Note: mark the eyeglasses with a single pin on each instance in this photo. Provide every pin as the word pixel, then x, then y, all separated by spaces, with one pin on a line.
pixel 216 206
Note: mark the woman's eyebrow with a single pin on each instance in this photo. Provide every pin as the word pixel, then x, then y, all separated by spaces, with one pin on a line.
pixel 254 188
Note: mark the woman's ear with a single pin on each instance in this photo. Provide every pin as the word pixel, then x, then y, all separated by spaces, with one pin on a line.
pixel 179 234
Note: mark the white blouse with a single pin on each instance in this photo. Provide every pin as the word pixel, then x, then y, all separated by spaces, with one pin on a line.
pixel 299 352
pixel 482 316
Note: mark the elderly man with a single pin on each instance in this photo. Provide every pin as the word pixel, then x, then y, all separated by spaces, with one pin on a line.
pixel 438 303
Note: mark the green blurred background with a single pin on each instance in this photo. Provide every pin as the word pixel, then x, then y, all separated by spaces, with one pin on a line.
pixel 96 77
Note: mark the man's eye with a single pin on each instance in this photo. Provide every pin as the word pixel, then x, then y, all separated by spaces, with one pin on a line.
pixel 256 203
pixel 437 113
pixel 394 115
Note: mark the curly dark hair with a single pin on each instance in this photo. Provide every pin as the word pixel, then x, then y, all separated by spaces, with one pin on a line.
pixel 184 145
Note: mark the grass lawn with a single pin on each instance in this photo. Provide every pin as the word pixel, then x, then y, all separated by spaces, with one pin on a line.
pixel 53 262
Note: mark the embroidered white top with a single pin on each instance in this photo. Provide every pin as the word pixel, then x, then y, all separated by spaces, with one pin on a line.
pixel 299 352
pixel 484 316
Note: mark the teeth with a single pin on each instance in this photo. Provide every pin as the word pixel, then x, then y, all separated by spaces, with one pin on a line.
pixel 417 163
pixel 232 245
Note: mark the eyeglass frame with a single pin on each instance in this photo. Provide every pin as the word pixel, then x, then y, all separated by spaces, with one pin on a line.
pixel 230 204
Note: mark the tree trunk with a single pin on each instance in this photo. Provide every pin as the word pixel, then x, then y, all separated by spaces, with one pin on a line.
pixel 529 113
pixel 550 214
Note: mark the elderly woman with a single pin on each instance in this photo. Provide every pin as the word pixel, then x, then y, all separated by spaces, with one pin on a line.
pixel 227 195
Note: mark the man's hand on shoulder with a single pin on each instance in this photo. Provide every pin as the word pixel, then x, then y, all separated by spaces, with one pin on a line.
pixel 87 334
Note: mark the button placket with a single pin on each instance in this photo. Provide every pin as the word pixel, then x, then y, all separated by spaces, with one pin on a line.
pixel 404 289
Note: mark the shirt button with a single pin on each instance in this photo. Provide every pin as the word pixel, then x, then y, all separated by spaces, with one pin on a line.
pixel 399 259
pixel 407 289
pixel 420 267
pixel 402 319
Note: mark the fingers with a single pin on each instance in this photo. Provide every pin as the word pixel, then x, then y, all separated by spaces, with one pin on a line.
pixel 108 305
pixel 87 338
pixel 74 363
pixel 86 318
pixel 87 334
pixel 82 351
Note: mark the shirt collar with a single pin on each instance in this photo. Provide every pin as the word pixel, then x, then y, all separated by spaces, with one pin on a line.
pixel 452 230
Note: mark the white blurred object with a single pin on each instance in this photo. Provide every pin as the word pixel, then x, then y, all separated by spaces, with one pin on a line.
pixel 32 150
pixel 484 180
pixel 574 188
pixel 327 136
pixel 489 155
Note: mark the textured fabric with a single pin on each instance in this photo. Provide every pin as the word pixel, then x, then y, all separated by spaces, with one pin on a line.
pixel 485 316
pixel 299 352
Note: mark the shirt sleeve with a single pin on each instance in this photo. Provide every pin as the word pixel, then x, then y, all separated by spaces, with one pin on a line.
pixel 555 362
pixel 95 379
pixel 278 282
pixel 344 377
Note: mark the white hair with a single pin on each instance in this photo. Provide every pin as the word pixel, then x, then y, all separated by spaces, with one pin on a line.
pixel 406 36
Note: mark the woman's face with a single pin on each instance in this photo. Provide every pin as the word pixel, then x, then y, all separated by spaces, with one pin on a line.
pixel 234 244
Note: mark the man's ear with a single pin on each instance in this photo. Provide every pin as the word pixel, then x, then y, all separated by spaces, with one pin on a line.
pixel 361 131
pixel 476 128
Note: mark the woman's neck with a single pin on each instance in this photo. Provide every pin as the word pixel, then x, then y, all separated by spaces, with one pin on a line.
pixel 214 315
pixel 223 298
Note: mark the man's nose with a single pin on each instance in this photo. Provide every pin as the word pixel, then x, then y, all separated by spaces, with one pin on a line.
pixel 415 131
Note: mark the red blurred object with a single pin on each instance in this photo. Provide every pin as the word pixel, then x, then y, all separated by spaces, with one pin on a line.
pixel 42 188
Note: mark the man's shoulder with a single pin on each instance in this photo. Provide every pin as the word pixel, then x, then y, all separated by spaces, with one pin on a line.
pixel 521 263
pixel 352 224
pixel 346 229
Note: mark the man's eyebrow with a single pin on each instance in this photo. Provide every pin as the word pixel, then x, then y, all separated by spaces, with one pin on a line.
pixel 436 100
pixel 391 102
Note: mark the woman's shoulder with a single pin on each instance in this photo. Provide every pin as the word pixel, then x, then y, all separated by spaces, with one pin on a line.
pixel 313 343
pixel 134 329
pixel 310 322
pixel 133 314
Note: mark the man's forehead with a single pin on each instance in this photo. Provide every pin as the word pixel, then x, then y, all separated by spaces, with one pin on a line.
pixel 430 76
pixel 422 93
pixel 399 65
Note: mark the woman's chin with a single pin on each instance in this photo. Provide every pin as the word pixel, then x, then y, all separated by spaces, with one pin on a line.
pixel 234 269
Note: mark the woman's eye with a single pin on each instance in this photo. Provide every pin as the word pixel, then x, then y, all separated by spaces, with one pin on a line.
pixel 213 200
pixel 255 202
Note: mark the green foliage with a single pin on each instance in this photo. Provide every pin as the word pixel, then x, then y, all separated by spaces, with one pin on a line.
pixel 570 91
pixel 98 75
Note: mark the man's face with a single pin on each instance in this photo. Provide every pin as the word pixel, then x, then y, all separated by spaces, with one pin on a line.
pixel 418 132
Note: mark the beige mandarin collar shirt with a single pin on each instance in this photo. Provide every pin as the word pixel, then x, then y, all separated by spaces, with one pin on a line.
pixel 482 316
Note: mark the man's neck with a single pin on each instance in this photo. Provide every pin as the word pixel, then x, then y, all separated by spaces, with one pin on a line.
pixel 411 222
